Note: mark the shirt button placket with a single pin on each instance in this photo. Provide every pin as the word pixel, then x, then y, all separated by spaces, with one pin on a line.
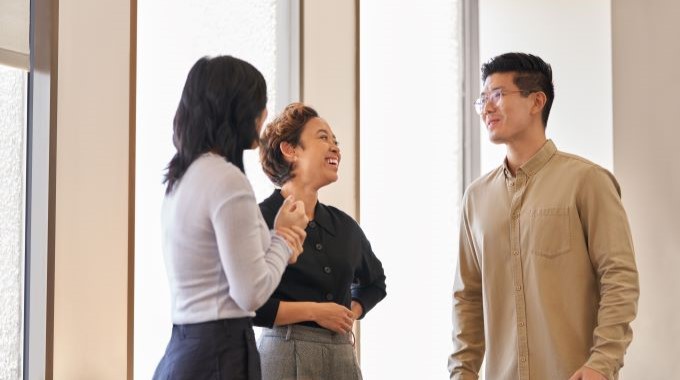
pixel 517 191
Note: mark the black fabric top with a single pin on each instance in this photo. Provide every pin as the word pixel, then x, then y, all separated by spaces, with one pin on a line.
pixel 336 265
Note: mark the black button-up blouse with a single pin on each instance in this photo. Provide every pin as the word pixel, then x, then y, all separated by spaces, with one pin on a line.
pixel 336 265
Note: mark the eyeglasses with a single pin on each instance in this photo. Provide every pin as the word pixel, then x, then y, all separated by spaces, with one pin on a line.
pixel 494 97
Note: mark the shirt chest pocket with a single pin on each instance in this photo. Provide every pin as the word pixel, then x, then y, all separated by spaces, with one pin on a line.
pixel 548 233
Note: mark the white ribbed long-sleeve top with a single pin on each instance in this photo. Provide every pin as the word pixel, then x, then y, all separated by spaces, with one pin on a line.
pixel 221 259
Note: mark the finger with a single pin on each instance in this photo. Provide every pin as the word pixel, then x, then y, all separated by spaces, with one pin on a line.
pixel 290 238
pixel 340 327
pixel 347 327
pixel 298 246
pixel 297 207
pixel 285 233
pixel 288 202
pixel 300 232
pixel 294 239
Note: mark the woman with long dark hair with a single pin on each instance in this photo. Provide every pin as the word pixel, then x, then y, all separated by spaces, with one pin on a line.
pixel 222 260
pixel 309 317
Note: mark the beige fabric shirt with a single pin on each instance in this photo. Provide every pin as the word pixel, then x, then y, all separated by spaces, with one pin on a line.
pixel 546 280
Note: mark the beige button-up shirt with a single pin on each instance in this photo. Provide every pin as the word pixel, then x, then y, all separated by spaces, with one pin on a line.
pixel 546 280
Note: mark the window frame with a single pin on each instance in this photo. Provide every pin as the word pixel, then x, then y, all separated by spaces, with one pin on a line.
pixel 40 190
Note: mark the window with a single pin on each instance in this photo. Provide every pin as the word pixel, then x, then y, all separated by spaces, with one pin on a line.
pixel 12 216
pixel 411 180
pixel 171 37
pixel 581 119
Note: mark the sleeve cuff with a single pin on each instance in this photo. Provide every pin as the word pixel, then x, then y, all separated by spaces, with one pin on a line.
pixel 603 364
pixel 276 238
pixel 266 315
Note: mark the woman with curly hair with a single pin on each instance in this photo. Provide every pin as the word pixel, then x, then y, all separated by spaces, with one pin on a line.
pixel 309 317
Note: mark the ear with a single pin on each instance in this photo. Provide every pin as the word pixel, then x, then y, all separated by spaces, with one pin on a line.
pixel 288 151
pixel 539 102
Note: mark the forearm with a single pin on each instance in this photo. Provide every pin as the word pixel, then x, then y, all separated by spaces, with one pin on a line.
pixel 468 311
pixel 294 312
pixel 610 247
pixel 468 338
pixel 618 306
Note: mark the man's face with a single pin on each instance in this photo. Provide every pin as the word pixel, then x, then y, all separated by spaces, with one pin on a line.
pixel 507 113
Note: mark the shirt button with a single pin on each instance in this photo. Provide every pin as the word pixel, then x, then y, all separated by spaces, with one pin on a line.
pixel 522 359
pixel 521 324
pixel 312 224
pixel 511 184
pixel 329 296
pixel 327 270
pixel 518 288
pixel 318 246
pixel 515 253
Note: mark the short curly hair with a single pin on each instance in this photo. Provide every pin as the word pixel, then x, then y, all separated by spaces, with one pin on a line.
pixel 286 127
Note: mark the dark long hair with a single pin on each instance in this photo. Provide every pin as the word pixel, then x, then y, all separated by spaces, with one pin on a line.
pixel 222 98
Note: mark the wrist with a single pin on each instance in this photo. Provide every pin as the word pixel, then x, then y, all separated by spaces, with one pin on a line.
pixel 311 308
pixel 357 308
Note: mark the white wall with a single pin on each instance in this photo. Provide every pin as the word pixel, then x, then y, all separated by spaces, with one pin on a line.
pixel 411 180
pixel 646 56
pixel 574 36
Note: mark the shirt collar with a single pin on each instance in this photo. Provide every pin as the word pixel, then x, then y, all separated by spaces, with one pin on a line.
pixel 536 162
pixel 322 215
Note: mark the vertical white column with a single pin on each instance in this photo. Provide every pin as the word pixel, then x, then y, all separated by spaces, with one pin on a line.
pixel 411 180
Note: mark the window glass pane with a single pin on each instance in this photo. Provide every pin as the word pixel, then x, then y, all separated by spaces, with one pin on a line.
pixel 12 195
pixel 172 35
pixel 411 177
pixel 581 118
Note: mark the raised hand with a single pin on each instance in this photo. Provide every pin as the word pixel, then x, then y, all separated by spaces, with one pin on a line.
pixel 291 213
pixel 295 237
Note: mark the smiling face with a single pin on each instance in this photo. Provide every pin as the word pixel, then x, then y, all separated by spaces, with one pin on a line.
pixel 514 116
pixel 317 157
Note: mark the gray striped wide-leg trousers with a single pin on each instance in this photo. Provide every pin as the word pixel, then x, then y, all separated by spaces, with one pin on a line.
pixel 296 352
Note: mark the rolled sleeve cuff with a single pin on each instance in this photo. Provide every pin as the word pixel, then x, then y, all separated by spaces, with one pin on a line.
pixel 368 298
pixel 266 315
pixel 604 365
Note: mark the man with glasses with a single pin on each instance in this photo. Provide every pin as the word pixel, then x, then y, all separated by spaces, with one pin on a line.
pixel 546 284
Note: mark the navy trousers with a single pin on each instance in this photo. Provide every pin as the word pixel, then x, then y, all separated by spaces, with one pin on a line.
pixel 216 350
